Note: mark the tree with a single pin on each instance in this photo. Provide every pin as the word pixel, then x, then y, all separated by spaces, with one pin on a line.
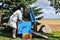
pixel 9 6
pixel 15 3
pixel 0 16
pixel 56 4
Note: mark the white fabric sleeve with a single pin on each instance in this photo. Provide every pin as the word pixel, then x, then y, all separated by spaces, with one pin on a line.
pixel 13 17
pixel 20 16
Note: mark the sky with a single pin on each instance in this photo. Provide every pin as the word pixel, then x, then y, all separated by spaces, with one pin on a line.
pixel 48 11
pixel 1 3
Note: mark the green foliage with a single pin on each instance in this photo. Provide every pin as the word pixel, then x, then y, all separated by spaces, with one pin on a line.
pixel 37 11
pixel 55 4
pixel 0 0
pixel 6 11
pixel 16 3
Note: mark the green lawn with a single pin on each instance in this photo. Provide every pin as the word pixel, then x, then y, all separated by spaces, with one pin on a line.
pixel 52 36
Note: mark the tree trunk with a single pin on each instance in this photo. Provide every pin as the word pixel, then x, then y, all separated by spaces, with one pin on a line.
pixel 0 17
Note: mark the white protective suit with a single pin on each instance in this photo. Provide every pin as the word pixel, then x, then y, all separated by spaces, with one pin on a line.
pixel 13 18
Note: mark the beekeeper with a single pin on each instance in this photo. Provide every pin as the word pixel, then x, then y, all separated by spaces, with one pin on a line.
pixel 13 19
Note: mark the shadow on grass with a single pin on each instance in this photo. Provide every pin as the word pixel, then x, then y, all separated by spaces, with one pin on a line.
pixel 50 36
pixel 8 35
pixel 7 32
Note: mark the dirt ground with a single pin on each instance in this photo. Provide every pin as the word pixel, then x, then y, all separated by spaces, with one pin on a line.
pixel 55 27
pixel 54 24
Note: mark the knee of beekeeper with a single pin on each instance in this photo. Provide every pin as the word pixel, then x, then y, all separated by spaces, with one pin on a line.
pixel 13 25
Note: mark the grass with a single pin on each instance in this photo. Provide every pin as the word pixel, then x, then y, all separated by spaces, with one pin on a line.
pixel 52 36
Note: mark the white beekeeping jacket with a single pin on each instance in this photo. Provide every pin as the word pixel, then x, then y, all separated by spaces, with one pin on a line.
pixel 14 17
